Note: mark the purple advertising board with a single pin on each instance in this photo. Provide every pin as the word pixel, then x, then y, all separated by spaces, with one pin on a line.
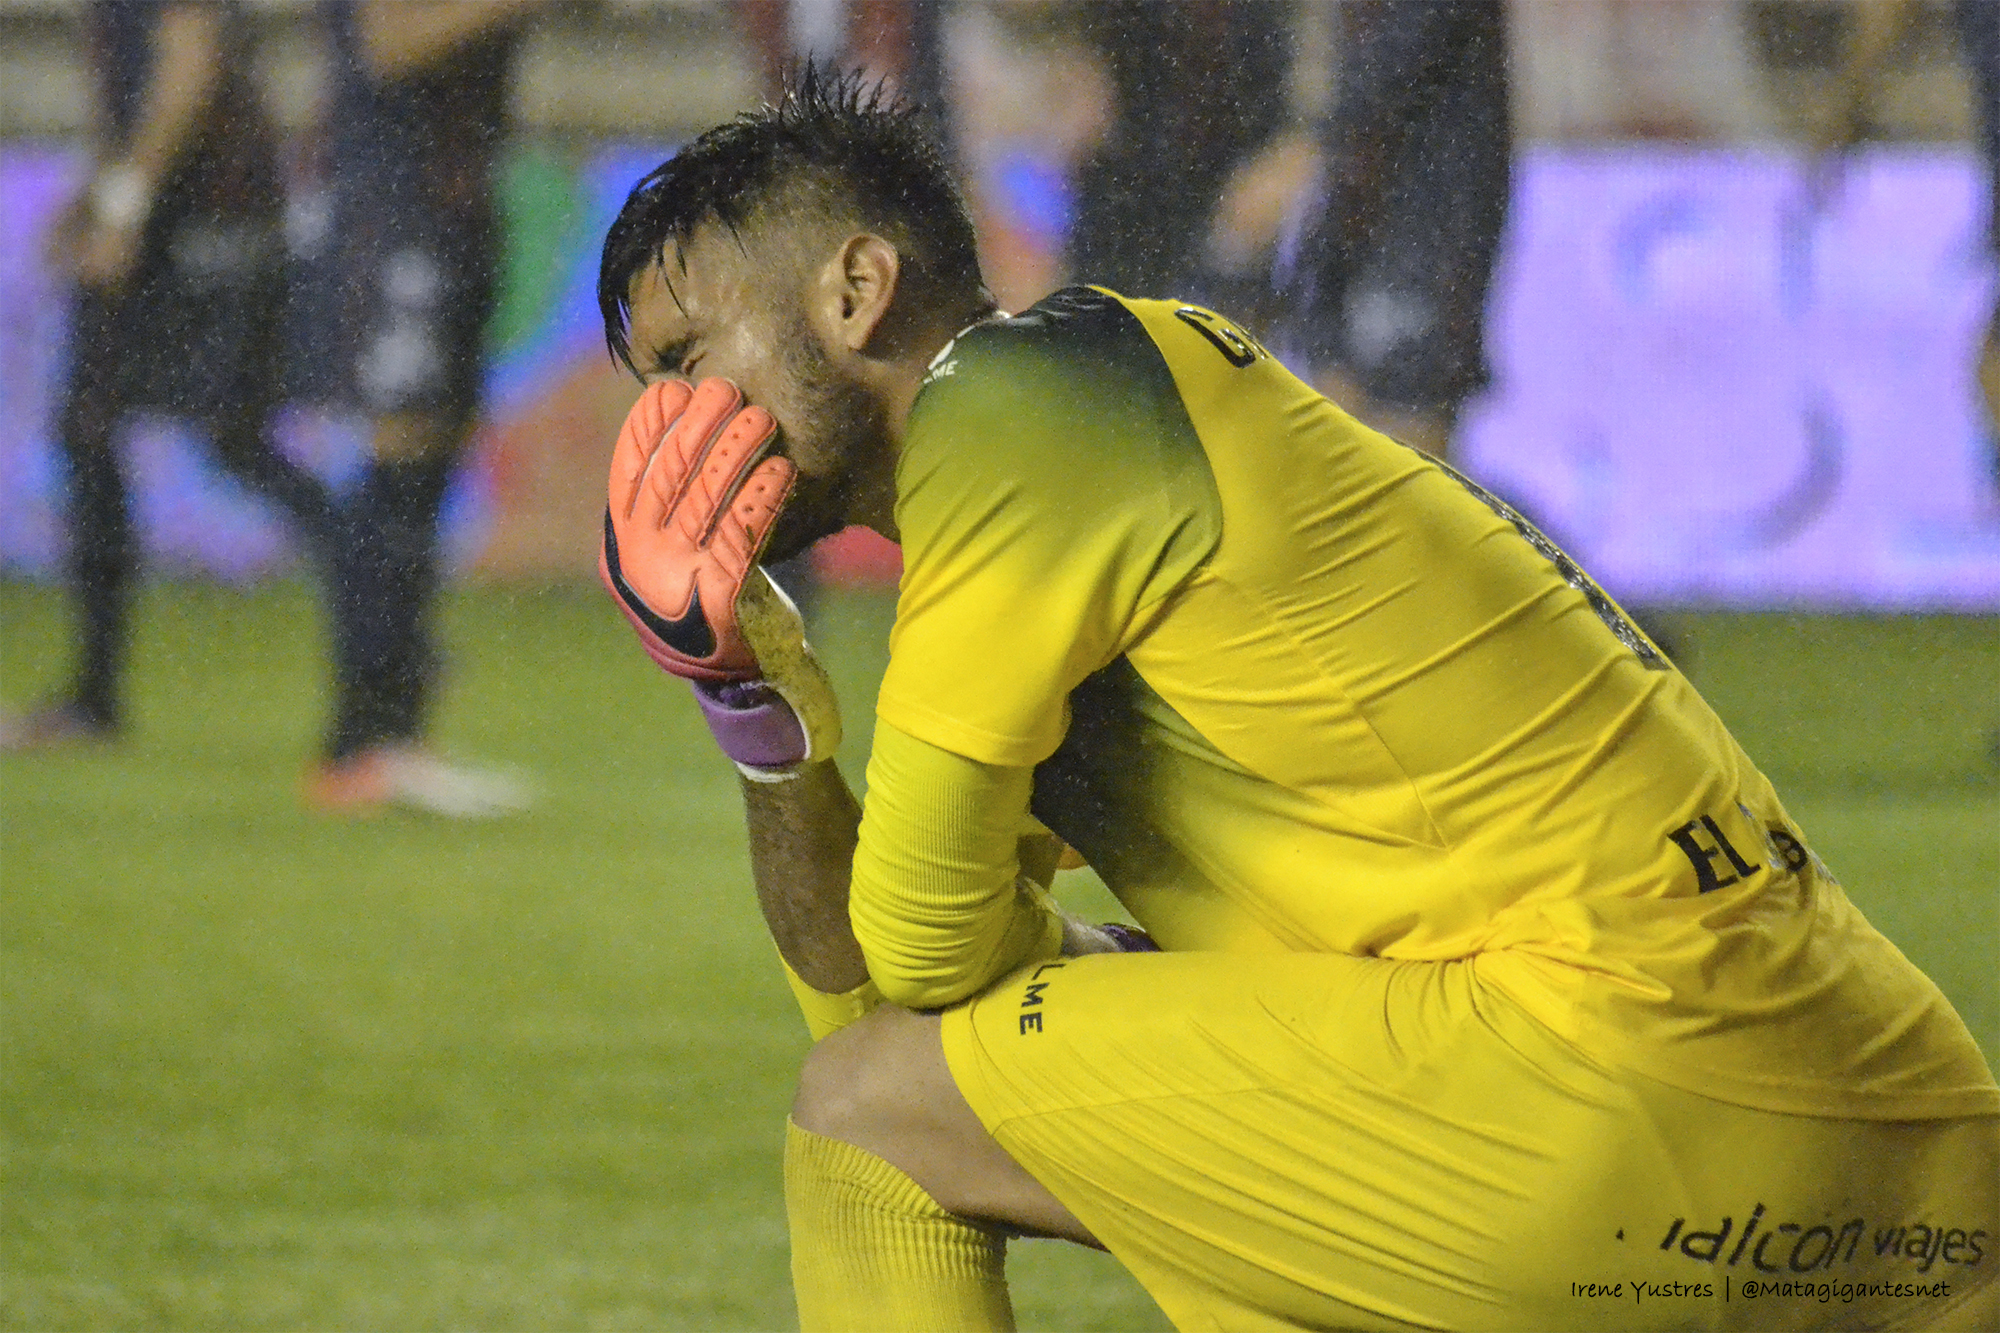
pixel 1722 379
pixel 1719 379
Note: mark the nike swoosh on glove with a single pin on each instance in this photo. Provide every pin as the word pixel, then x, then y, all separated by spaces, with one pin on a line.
pixel 694 492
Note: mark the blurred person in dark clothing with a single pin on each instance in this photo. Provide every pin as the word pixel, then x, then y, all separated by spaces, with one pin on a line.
pixel 1190 187
pixel 1198 87
pixel 1384 304
pixel 1388 306
pixel 419 116
pixel 1390 298
pixel 175 247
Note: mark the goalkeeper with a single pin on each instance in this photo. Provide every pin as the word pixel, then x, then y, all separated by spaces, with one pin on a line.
pixel 1490 964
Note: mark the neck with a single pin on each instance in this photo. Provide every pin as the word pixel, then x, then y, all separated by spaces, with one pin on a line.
pixel 901 391
pixel 898 382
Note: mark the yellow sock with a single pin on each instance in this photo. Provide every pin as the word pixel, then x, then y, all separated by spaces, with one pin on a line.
pixel 873 1253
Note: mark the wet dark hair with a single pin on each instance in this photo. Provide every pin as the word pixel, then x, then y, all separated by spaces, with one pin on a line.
pixel 834 147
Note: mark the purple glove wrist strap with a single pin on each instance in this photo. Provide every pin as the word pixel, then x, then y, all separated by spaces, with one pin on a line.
pixel 751 722
pixel 1130 939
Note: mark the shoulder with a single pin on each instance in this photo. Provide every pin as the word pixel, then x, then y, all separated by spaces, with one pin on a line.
pixel 1066 417
pixel 1077 341
pixel 1070 318
pixel 1075 372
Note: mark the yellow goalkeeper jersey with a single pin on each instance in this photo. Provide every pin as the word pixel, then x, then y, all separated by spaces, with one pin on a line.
pixel 1290 685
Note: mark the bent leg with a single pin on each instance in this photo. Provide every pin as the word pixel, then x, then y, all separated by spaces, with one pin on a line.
pixel 1319 1141
pixel 882 1085
pixel 1316 1141
pixel 243 339
pixel 899 1201
pixel 871 1251
pixel 385 578
pixel 242 443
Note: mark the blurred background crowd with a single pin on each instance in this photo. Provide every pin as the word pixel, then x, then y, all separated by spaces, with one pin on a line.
pixel 304 393
pixel 1702 285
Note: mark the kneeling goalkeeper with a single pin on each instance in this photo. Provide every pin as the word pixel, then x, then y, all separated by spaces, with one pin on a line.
pixel 1487 962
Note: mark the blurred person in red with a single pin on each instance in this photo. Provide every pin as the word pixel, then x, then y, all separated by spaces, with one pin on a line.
pixel 176 250
pixel 420 113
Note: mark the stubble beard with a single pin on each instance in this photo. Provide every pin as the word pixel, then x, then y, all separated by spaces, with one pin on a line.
pixel 846 425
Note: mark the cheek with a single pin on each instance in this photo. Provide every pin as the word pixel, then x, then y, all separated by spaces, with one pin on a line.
pixel 805 449
pixel 801 430
pixel 760 386
pixel 745 356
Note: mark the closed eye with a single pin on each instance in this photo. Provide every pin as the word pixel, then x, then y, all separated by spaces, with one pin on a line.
pixel 673 359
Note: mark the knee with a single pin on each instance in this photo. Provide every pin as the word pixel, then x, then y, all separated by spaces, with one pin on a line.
pixel 847 1086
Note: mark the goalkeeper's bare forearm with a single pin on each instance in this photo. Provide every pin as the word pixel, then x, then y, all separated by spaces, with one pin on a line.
pixel 802 836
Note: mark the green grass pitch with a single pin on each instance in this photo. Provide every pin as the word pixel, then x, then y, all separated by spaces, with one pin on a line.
pixel 261 1070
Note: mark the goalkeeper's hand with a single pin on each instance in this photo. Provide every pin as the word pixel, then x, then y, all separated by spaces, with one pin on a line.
pixel 694 491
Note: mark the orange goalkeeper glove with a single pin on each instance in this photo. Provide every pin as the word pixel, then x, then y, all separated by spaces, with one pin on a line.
pixel 694 491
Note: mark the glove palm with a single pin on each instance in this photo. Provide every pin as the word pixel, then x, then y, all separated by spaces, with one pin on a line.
pixel 694 491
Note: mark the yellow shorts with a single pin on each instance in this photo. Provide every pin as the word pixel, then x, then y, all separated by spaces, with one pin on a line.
pixel 1319 1141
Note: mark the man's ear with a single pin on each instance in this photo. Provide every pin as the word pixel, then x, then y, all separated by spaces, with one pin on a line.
pixel 857 287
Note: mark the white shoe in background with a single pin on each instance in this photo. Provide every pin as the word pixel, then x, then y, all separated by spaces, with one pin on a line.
pixel 411 777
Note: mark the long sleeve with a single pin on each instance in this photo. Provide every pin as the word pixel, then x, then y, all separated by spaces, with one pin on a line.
pixel 938 900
